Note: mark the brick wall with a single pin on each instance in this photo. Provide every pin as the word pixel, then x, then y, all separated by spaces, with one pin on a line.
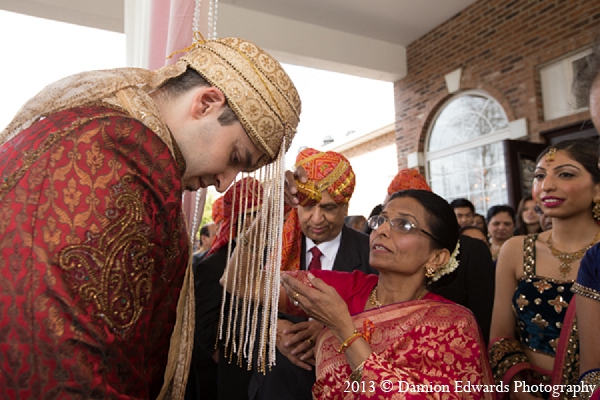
pixel 499 44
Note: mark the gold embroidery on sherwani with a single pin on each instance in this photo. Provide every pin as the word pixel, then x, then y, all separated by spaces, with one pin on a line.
pixel 112 270
pixel 31 157
pixel 55 323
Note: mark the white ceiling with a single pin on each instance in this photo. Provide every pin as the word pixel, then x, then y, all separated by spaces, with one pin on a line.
pixel 361 37
pixel 395 21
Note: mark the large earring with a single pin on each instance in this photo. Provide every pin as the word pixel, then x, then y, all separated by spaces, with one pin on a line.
pixel 596 211
pixel 429 272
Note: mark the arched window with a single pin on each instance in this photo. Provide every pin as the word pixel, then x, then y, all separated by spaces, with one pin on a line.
pixel 465 154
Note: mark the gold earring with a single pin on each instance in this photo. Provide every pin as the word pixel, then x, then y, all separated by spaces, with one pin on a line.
pixel 596 211
pixel 429 272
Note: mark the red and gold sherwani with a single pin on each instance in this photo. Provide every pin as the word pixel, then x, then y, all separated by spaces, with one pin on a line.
pixel 96 293
pixel 93 253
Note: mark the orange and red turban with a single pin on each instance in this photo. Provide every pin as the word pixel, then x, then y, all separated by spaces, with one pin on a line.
pixel 217 210
pixel 408 179
pixel 328 171
pixel 246 196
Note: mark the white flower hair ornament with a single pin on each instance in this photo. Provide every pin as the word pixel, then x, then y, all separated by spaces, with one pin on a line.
pixel 450 266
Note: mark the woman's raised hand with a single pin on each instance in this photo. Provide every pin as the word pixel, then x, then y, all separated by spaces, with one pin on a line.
pixel 321 302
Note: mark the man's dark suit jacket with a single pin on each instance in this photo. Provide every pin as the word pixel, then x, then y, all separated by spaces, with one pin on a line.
pixel 285 380
pixel 203 377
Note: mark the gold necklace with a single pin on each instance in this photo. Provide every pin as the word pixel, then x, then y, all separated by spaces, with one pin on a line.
pixel 567 258
pixel 376 303
pixel 373 298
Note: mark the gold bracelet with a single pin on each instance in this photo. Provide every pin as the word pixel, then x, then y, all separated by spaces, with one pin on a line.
pixel 349 341
pixel 356 374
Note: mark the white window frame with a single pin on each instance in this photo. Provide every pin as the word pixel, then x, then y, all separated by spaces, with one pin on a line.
pixel 515 130
pixel 508 133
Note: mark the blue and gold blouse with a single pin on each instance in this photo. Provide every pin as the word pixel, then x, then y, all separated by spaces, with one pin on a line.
pixel 540 305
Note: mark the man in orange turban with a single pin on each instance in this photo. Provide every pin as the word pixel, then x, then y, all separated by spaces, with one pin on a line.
pixel 329 188
pixel 314 236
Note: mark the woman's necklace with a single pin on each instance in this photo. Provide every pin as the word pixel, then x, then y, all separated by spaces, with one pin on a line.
pixel 373 298
pixel 567 258
pixel 376 303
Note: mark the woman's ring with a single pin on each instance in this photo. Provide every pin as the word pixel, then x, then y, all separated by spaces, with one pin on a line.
pixel 296 302
pixel 309 341
pixel 296 295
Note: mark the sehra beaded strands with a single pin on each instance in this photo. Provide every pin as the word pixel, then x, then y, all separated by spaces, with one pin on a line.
pixel 243 322
pixel 242 315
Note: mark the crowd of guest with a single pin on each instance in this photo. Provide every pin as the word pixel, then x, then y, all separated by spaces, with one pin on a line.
pixel 370 298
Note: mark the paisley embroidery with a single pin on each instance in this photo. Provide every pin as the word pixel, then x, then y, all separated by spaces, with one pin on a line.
pixel 112 270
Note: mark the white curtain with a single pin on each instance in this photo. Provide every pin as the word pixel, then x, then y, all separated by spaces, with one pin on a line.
pixel 154 30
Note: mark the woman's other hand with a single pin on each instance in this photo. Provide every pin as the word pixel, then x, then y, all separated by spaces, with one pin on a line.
pixel 321 302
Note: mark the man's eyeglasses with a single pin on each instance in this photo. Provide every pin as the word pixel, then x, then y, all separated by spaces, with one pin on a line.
pixel 399 224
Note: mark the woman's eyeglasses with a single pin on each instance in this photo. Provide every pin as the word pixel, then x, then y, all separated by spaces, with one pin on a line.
pixel 399 224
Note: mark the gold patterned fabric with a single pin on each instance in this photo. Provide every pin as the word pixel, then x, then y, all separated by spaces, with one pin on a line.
pixel 93 257
pixel 505 354
pixel 256 86
pixel 264 100
pixel 421 349
pixel 578 288
pixel 591 380
pixel 544 310
pixel 540 305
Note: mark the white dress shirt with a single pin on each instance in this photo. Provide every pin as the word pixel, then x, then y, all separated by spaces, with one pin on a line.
pixel 329 250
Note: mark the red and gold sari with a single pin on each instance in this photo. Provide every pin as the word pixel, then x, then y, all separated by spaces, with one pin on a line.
pixel 422 349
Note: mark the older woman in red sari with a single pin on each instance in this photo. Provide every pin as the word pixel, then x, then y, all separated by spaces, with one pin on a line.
pixel 386 335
